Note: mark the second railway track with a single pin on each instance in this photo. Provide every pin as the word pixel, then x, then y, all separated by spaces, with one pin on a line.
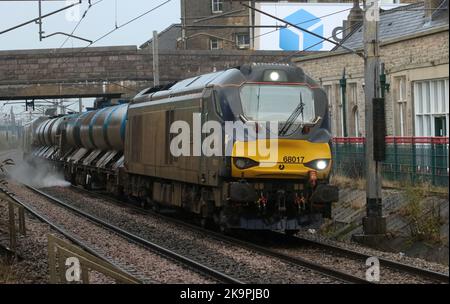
pixel 298 270
pixel 399 272
pixel 317 259
pixel 153 263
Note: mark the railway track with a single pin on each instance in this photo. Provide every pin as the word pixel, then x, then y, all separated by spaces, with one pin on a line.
pixel 42 218
pixel 433 275
pixel 339 275
pixel 298 241
pixel 194 265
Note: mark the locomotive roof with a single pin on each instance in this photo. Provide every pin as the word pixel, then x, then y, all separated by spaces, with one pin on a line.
pixel 248 72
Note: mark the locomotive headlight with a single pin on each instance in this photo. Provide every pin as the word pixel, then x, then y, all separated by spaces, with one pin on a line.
pixel 274 76
pixel 244 163
pixel 319 164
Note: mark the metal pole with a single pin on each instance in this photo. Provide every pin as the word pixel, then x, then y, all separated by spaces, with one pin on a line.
pixel 61 107
pixel 80 105
pixel 183 25
pixel 40 21
pixel 374 223
pixel 155 59
pixel 343 84
pixel 37 19
pixel 252 19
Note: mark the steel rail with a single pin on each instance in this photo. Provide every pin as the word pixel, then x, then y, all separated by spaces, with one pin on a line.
pixel 296 261
pixel 434 275
pixel 143 242
pixel 64 232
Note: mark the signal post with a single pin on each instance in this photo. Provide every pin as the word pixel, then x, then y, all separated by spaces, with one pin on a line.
pixel 374 223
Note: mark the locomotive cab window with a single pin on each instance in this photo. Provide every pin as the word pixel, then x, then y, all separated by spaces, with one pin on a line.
pixel 277 103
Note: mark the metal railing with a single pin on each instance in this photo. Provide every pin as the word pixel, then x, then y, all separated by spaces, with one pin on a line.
pixel 15 221
pixel 62 254
pixel 414 160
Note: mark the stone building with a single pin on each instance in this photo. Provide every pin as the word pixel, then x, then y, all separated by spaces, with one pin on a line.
pixel 218 24
pixel 415 51
pixel 207 25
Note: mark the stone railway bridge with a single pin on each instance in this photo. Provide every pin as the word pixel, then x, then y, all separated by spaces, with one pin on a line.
pixel 107 71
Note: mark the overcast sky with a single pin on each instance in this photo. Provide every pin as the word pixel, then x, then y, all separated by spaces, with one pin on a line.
pixel 100 19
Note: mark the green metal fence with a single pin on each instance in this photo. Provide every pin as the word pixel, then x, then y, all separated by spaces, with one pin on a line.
pixel 408 159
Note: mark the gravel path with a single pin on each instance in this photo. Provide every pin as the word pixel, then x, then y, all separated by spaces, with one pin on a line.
pixel 151 267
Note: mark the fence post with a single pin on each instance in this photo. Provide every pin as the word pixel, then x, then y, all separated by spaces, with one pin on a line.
pixel 12 227
pixel 22 228
pixel 337 154
pixel 414 164
pixel 396 164
pixel 433 162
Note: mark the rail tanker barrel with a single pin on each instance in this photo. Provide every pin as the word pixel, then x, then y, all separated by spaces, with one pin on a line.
pixel 83 124
pixel 108 126
pixel 55 130
pixel 40 133
pixel 36 135
pixel 48 132
pixel 103 129
pixel 71 137
pixel 115 126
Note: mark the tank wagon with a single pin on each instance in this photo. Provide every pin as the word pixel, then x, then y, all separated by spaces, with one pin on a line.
pixel 137 149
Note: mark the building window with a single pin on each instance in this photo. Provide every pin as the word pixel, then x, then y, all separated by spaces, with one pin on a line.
pixel 328 89
pixel 335 100
pixel 431 107
pixel 217 6
pixel 215 44
pixel 400 104
pixel 356 122
pixel 243 40
pixel 352 103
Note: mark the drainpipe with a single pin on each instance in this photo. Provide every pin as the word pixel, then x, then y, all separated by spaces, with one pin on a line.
pixel 343 85
pixel 383 83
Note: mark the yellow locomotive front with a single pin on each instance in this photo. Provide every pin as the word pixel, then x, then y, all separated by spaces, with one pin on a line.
pixel 280 158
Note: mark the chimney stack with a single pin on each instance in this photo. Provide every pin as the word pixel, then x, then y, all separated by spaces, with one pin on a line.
pixel 355 16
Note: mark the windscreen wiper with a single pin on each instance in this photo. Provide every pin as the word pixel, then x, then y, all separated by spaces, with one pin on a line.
pixel 293 117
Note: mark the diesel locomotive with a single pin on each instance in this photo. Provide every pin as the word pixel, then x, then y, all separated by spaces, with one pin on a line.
pixel 133 150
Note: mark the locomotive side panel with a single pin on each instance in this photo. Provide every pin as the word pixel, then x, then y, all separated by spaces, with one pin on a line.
pixel 148 141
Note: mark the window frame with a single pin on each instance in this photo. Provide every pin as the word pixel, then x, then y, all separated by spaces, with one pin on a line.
pixel 425 110
pixel 217 4
pixel 400 103
pixel 217 40
pixel 243 45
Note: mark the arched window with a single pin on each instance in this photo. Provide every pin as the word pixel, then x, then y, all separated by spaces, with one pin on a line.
pixel 356 121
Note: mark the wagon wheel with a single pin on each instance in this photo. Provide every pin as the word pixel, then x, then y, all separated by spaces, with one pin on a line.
pixel 205 221
pixel 223 225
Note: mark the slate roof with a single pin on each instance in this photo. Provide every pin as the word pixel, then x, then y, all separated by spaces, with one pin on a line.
pixel 167 38
pixel 400 22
